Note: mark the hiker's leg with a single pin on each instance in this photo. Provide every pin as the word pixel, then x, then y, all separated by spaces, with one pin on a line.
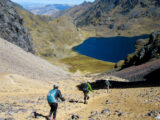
pixel 88 96
pixel 55 110
pixel 85 98
pixel 51 110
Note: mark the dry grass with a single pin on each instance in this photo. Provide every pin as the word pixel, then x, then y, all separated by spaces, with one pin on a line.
pixel 87 64
pixel 53 38
pixel 135 103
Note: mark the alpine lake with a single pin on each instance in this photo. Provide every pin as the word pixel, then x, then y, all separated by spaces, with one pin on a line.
pixel 110 49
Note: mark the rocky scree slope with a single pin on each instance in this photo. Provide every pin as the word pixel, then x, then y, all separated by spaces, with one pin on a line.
pixel 15 60
pixel 12 26
pixel 103 12
pixel 148 71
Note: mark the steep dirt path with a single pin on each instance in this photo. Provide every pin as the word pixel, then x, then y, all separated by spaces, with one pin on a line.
pixel 120 104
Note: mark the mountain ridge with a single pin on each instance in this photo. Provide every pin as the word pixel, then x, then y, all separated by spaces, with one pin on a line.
pixel 46 9
pixel 102 9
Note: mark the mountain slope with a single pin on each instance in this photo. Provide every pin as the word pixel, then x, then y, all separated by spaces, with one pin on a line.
pixel 146 50
pixel 104 11
pixel 77 10
pixel 52 38
pixel 12 26
pixel 14 60
pixel 49 9
pixel 148 71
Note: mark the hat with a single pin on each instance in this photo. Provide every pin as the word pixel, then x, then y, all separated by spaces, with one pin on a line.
pixel 89 81
pixel 55 85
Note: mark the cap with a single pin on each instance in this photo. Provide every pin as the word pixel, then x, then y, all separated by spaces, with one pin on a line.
pixel 55 85
pixel 89 81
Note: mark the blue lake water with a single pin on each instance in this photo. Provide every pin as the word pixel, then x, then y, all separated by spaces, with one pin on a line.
pixel 110 49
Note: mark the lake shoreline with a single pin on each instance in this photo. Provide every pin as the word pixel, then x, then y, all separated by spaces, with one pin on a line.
pixel 89 46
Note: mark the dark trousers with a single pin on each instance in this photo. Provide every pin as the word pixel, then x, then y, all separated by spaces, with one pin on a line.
pixel 86 97
pixel 53 110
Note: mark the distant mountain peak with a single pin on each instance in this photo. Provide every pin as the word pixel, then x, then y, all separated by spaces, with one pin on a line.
pixel 48 9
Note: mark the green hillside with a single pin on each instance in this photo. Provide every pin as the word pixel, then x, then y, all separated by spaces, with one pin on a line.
pixel 54 39
pixel 51 37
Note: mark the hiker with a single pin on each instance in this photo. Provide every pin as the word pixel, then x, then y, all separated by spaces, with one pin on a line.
pixel 86 89
pixel 107 85
pixel 52 98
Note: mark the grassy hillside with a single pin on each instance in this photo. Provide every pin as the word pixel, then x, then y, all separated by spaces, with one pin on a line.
pixel 111 18
pixel 52 37
pixel 87 64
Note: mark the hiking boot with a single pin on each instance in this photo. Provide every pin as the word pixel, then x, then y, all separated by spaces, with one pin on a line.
pixel 49 118
pixel 85 102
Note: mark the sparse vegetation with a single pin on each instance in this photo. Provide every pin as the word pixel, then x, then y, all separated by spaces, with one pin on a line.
pixel 52 37
pixel 119 64
pixel 87 64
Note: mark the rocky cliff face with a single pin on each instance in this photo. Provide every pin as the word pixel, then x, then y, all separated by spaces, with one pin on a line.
pixel 12 26
pixel 102 12
pixel 151 49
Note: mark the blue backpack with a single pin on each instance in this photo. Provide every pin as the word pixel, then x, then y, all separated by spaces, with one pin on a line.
pixel 52 96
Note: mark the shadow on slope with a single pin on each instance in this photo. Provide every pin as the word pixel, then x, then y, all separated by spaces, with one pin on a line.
pixel 152 80
pixel 36 115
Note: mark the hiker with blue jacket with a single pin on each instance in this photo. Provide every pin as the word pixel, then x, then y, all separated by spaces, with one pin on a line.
pixel 86 89
pixel 52 98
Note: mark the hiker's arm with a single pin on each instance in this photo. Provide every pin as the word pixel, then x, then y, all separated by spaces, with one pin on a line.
pixel 60 95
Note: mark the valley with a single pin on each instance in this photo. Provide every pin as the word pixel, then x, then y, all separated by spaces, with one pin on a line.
pixel 37 51
pixel 54 38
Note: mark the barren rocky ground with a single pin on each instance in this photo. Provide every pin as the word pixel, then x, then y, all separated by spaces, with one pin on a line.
pixel 14 60
pixel 20 97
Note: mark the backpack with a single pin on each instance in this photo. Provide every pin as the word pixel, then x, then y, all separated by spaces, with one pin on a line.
pixel 51 97
pixel 85 88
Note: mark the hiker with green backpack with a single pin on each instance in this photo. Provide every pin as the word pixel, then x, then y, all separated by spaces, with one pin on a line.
pixel 52 98
pixel 86 89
